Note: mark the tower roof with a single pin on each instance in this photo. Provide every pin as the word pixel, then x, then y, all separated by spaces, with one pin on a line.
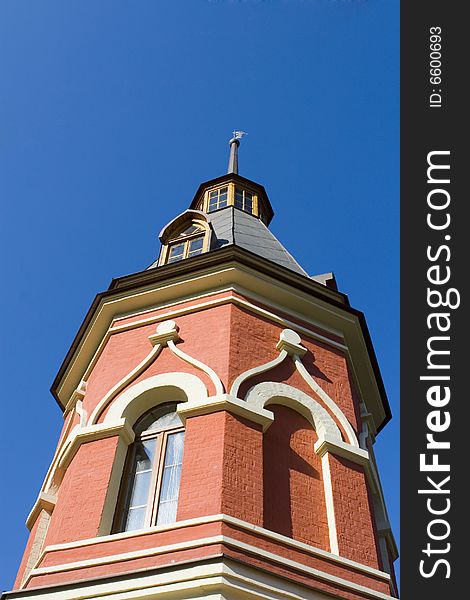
pixel 233 227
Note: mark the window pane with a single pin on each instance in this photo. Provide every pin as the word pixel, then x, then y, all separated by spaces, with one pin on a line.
pixel 238 198
pixel 144 455
pixel 248 205
pixel 190 230
pixel 155 421
pixel 140 482
pixel 223 203
pixel 140 489
pixel 176 253
pixel 174 449
pixel 212 205
pixel 168 503
pixel 195 246
pixel 135 519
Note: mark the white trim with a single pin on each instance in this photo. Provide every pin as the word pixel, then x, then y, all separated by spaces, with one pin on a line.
pixel 256 371
pixel 210 581
pixel 125 556
pixel 291 342
pixel 171 314
pixel 239 523
pixel 330 507
pixel 78 394
pixel 121 417
pixel 136 533
pixel 270 391
pixel 219 539
pixel 189 386
pixel 228 403
pixel 82 435
pixel 356 455
pixel 328 401
pixel 51 471
pixel 300 567
pixel 219 387
pixel 292 301
pixel 45 502
pixel 212 303
pixel 120 385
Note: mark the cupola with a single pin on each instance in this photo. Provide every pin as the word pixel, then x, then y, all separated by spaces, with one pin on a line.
pixel 230 210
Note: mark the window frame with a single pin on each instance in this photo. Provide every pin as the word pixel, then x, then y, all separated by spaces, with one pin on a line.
pixel 186 242
pixel 155 486
pixel 244 192
pixel 171 240
pixel 204 201
pixel 218 190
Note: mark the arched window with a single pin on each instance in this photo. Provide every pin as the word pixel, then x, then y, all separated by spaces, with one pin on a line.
pixel 184 238
pixel 150 485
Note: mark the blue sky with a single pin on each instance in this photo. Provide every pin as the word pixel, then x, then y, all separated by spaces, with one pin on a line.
pixel 113 112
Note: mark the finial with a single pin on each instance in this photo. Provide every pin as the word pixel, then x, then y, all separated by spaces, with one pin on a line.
pixel 234 143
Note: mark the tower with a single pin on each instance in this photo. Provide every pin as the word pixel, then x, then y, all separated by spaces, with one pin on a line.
pixel 220 409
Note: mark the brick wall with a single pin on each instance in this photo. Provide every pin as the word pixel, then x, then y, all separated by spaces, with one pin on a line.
pixel 294 500
pixel 82 493
pixel 353 512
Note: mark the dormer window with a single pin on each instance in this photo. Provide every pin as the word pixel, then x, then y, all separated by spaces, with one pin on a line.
pixel 218 199
pixel 190 242
pixel 243 200
pixel 189 239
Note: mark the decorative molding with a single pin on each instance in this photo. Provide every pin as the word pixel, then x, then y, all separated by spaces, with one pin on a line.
pixel 124 382
pixel 290 341
pixel 330 506
pixel 356 455
pixel 328 401
pixel 242 302
pixel 45 502
pixel 228 403
pixel 166 335
pixel 184 385
pixel 294 295
pixel 159 297
pixel 256 371
pixel 166 331
pixel 219 539
pixel 235 522
pixel 281 393
pixel 78 394
pixel 290 345
pixel 217 579
pixel 82 435
pixel 125 556
pixel 219 387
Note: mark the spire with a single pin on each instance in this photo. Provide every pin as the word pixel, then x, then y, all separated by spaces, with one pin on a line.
pixel 234 143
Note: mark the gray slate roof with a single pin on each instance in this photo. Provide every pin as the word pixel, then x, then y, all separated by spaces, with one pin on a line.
pixel 233 226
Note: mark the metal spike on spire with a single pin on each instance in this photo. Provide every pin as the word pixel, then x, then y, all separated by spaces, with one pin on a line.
pixel 234 143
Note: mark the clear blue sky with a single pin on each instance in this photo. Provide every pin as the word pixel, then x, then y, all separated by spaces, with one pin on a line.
pixel 112 113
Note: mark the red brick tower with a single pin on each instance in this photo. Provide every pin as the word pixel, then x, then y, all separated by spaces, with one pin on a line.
pixel 220 409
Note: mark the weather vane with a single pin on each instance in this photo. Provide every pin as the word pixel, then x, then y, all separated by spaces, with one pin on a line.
pixel 237 135
pixel 234 143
